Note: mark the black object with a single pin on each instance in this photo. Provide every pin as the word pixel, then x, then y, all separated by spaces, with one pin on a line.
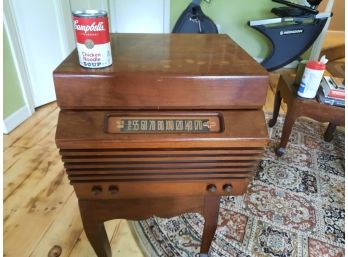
pixel 289 42
pixel 193 20
pixel 314 3
pixel 291 34
pixel 289 11
pixel 292 8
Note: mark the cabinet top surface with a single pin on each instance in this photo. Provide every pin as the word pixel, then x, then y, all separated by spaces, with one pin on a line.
pixel 172 55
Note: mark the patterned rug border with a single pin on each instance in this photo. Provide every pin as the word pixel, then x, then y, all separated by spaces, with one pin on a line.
pixel 144 245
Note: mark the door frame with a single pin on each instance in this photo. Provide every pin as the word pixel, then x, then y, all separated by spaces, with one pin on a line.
pixel 25 82
pixel 20 58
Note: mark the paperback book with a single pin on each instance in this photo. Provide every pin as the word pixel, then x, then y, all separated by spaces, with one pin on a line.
pixel 333 88
pixel 329 100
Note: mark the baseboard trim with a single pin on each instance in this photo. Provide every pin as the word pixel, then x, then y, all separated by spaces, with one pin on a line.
pixel 15 119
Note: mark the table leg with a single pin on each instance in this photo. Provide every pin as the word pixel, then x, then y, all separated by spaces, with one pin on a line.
pixel 329 132
pixel 277 102
pixel 290 118
pixel 211 214
pixel 95 231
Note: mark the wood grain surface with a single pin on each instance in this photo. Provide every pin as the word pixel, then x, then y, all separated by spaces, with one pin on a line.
pixel 165 71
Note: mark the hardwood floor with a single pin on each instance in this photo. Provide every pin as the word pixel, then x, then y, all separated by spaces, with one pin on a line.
pixel 40 208
pixel 41 216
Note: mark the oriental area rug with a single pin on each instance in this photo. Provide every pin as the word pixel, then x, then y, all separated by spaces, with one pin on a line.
pixel 293 208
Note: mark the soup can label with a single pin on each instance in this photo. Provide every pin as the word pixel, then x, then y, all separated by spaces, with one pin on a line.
pixel 92 39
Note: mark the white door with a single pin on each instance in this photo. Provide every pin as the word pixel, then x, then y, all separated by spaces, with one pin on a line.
pixel 140 16
pixel 45 35
pixel 44 40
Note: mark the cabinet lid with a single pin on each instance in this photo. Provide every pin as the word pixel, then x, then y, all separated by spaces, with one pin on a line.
pixel 171 54
pixel 165 71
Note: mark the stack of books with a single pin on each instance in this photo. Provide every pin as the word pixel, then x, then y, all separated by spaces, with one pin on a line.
pixel 332 91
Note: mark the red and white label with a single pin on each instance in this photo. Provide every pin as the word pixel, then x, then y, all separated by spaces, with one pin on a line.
pixel 96 29
pixel 93 41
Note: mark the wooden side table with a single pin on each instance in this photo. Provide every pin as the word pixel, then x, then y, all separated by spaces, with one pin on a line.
pixel 298 106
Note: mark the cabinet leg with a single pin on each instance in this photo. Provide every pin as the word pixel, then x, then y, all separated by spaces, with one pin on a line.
pixel 211 214
pixel 95 231
pixel 286 132
pixel 329 132
pixel 277 102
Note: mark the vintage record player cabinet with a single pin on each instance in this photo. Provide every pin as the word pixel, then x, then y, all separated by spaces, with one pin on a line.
pixel 174 124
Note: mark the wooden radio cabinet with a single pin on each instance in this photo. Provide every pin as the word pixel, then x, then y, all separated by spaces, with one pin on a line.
pixel 174 124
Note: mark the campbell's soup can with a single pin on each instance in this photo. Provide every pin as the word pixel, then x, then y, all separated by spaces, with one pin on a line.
pixel 92 38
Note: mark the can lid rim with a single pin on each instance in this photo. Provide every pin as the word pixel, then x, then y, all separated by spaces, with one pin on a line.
pixel 315 65
pixel 89 13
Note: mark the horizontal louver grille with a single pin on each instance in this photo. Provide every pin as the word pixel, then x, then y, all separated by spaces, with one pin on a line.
pixel 166 164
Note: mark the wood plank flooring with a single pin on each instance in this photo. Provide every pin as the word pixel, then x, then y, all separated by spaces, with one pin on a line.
pixel 40 208
pixel 41 216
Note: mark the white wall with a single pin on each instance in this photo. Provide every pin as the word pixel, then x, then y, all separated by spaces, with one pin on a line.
pixel 135 16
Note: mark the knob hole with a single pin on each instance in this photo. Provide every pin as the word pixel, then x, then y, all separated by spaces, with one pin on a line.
pixel 227 188
pixel 96 190
pixel 211 188
pixel 113 189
